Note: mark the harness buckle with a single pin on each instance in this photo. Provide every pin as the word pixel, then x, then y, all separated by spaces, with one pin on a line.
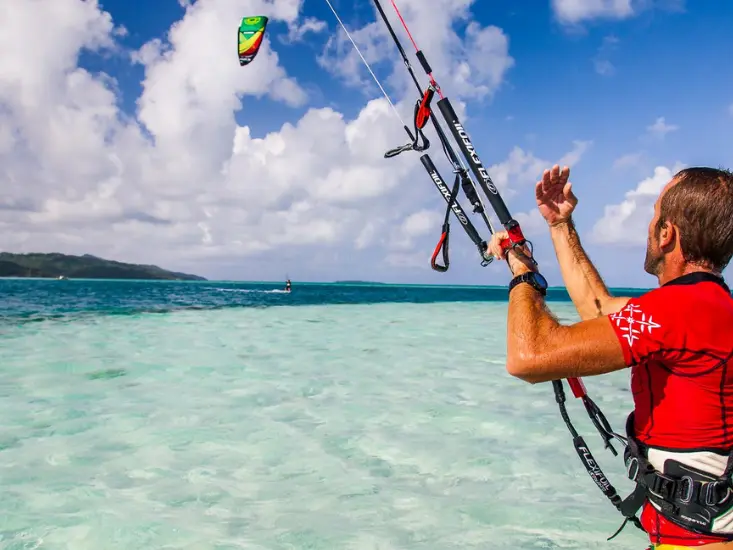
pixel 662 486
pixel 713 493
pixel 686 489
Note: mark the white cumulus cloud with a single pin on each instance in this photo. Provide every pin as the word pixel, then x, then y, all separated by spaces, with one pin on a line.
pixel 602 60
pixel 524 168
pixel 575 11
pixel 660 128
pixel 298 31
pixel 423 222
pixel 179 182
pixel 628 221
pixel 472 66
pixel 629 160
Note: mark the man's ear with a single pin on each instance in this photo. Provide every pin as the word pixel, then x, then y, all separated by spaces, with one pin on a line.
pixel 667 235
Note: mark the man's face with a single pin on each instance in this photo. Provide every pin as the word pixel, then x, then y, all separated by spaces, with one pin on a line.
pixel 654 260
pixel 653 257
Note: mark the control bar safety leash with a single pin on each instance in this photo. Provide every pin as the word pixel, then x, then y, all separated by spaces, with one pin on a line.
pixel 586 457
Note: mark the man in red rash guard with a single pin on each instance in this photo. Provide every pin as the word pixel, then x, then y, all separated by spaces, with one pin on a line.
pixel 677 339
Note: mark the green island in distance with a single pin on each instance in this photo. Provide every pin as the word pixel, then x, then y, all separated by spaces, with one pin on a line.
pixel 359 283
pixel 64 266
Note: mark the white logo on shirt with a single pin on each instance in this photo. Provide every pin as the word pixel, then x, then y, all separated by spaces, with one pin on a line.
pixel 633 321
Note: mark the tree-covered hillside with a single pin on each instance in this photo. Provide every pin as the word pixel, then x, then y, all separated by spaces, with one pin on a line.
pixel 81 267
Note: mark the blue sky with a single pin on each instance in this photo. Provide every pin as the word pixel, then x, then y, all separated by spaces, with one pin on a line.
pixel 622 91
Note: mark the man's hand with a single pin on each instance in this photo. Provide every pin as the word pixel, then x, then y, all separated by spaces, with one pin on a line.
pixel 518 258
pixel 555 198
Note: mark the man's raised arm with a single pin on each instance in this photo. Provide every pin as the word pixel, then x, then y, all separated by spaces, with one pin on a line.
pixel 587 290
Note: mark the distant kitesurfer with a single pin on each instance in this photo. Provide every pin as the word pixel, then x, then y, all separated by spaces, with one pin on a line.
pixel 287 286
pixel 677 339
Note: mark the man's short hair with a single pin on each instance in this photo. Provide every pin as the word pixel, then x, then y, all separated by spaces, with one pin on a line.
pixel 700 204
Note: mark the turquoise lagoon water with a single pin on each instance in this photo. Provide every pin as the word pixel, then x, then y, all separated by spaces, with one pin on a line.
pixel 155 415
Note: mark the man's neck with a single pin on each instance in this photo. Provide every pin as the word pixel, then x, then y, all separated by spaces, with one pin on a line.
pixel 668 275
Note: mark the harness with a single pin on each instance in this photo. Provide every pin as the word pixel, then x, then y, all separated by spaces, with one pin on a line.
pixel 687 496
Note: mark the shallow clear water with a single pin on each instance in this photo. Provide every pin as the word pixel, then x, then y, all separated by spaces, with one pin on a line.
pixel 356 426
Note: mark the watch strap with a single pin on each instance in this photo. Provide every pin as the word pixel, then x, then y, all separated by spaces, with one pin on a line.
pixel 529 279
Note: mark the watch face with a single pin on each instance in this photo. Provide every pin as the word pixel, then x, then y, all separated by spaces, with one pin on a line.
pixel 540 280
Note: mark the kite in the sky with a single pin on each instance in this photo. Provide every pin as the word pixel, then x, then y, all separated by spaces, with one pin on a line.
pixel 251 33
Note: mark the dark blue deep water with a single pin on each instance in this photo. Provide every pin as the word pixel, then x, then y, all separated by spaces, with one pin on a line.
pixel 27 300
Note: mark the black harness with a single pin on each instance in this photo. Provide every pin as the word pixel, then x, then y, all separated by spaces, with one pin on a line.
pixel 687 496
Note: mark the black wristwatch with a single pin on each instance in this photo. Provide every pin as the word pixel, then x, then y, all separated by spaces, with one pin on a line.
pixel 537 281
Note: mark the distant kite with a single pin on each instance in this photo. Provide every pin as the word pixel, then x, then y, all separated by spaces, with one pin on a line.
pixel 251 33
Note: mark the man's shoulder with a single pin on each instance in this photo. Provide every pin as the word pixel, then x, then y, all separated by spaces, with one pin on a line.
pixel 681 296
pixel 667 295
pixel 657 301
pixel 614 305
pixel 668 308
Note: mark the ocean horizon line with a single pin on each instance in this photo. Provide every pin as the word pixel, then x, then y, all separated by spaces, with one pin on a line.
pixel 279 283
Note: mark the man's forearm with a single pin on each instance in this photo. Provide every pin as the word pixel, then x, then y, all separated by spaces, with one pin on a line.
pixel 529 326
pixel 529 323
pixel 583 282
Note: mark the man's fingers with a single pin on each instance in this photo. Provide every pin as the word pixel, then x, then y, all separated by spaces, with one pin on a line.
pixel 553 182
pixel 565 174
pixel 495 244
pixel 567 191
pixel 546 181
pixel 551 178
pixel 539 192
